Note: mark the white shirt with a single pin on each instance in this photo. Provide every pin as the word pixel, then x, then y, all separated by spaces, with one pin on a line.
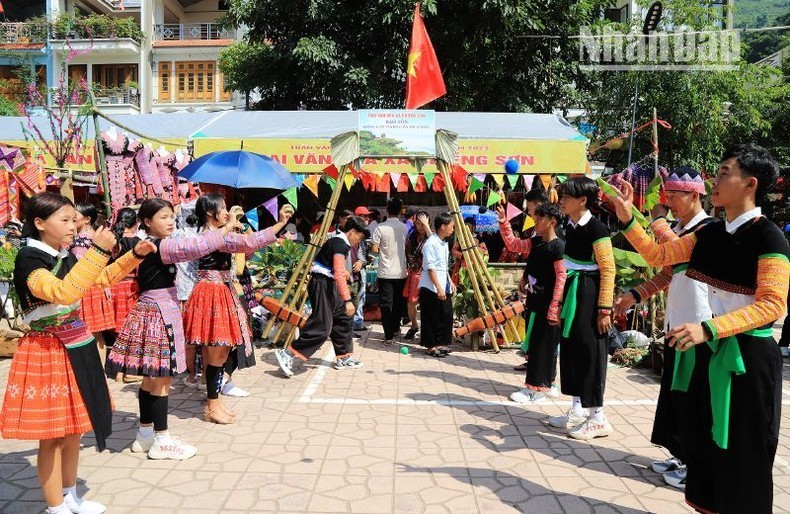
pixel 436 257
pixel 687 300
pixel 323 270
pixel 390 236
pixel 722 302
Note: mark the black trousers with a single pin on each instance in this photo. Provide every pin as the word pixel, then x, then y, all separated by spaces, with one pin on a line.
pixel 328 319
pixel 392 305
pixel 542 353
pixel 436 319
pixel 669 413
pixel 740 478
pixel 583 354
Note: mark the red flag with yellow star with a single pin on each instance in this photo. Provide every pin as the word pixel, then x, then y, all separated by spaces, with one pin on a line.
pixel 424 82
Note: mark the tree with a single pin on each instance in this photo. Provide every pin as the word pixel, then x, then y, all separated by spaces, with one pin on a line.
pixel 708 110
pixel 328 54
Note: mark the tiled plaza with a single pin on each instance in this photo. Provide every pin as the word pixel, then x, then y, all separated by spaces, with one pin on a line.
pixel 407 433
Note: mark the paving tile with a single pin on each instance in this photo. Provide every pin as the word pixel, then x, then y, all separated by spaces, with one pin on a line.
pixel 405 434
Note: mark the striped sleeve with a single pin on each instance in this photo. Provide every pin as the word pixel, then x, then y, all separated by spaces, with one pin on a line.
pixel 46 286
pixel 560 276
pixel 671 252
pixel 248 243
pixel 341 276
pixel 118 270
pixel 770 303
pixel 602 249
pixel 655 285
pixel 190 249
pixel 513 243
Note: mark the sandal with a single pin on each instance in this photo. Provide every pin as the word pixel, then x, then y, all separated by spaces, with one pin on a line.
pixel 444 350
pixel 411 333
pixel 210 417
pixel 436 353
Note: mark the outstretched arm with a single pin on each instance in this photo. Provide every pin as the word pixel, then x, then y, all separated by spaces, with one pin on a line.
pixel 671 252
pixel 191 249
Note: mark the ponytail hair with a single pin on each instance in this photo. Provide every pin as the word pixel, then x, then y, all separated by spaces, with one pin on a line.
pixel 89 211
pixel 125 219
pixel 210 203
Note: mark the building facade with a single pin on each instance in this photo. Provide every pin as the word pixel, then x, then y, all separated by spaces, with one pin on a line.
pixel 138 56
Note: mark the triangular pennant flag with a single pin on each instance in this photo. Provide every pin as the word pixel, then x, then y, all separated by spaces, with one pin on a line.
pixel 403 184
pixel 312 184
pixel 395 179
pixel 480 176
pixel 499 178
pixel 332 182
pixel 271 206
pixel 493 197
pixel 474 185
pixel 513 211
pixel 528 223
pixel 429 179
pixel 348 180
pixel 291 195
pixel 545 180
pixel 252 218
pixel 528 179
pixel 299 178
pixel 420 186
pixel 561 178
pixel 331 171
pixel 413 178
pixel 438 184
pixel 512 180
pixel 383 184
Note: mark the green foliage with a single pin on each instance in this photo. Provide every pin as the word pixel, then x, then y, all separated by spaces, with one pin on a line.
pixel 275 262
pixel 95 26
pixel 7 258
pixel 7 106
pixel 329 54
pixel 761 13
pixel 708 110
pixel 464 301
pixel 630 357
pixel 372 145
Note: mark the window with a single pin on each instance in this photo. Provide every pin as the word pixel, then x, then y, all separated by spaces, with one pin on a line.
pixel 195 81
pixel 165 67
pixel 114 75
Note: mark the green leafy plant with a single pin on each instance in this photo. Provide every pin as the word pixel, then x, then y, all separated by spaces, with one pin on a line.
pixel 630 357
pixel 275 263
pixel 465 302
pixel 7 258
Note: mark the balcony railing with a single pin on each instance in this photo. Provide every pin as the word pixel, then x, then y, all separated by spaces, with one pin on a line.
pixel 23 33
pixel 116 95
pixel 181 31
pixel 120 5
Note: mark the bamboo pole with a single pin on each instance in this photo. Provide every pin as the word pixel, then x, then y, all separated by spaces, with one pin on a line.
pixel 295 288
pixel 102 162
pixel 653 299
pixel 467 248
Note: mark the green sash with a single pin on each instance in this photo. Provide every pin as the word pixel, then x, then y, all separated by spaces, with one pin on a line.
pixel 569 305
pixel 528 333
pixel 726 361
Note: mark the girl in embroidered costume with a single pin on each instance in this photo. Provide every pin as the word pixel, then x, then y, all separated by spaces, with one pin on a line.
pixel 56 387
pixel 125 293
pixel 545 274
pixel 96 306
pixel 586 312
pixel 729 365
pixel 687 301
pixel 214 315
pixel 414 244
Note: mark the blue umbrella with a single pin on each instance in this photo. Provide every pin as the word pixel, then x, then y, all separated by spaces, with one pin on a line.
pixel 486 221
pixel 239 169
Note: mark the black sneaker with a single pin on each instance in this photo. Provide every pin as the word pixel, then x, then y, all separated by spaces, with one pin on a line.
pixel 411 333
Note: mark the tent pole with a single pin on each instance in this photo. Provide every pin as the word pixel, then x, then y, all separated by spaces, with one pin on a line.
pixel 102 161
pixel 465 239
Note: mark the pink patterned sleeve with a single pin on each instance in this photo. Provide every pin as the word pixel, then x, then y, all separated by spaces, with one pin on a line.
pixel 559 290
pixel 79 251
pixel 514 244
pixel 192 248
pixel 248 243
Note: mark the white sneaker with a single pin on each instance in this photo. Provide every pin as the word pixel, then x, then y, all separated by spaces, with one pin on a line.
pixel 231 389
pixel 142 444
pixel 527 396
pixel 591 429
pixel 348 363
pixel 568 420
pixel 554 392
pixel 192 385
pixel 785 351
pixel 662 466
pixel 173 448
pixel 676 478
pixel 80 506
pixel 285 360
